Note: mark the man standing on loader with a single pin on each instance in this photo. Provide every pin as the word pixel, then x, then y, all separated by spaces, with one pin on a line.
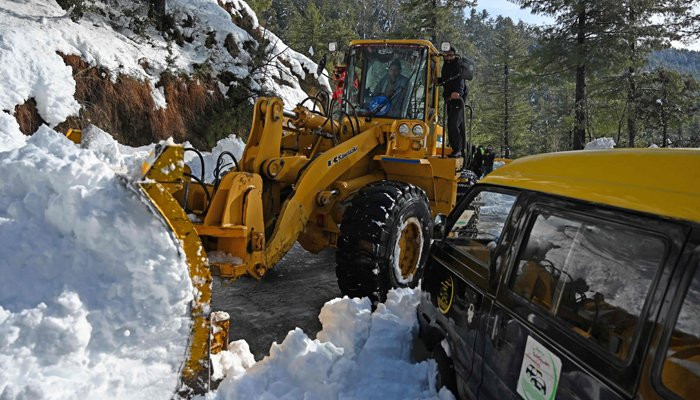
pixel 454 94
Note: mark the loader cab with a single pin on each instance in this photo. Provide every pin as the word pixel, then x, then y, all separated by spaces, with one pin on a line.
pixel 392 80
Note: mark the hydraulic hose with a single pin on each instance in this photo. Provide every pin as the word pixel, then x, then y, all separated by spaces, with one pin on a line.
pixel 201 161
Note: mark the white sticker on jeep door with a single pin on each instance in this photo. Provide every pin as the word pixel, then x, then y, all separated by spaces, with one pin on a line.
pixel 539 373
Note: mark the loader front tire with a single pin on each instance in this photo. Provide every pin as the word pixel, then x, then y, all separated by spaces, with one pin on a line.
pixel 384 240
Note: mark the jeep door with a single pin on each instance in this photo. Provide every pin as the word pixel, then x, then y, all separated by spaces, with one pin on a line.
pixel 462 278
pixel 575 296
pixel 675 351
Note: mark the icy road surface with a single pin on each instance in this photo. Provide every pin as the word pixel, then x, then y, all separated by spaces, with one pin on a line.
pixel 289 296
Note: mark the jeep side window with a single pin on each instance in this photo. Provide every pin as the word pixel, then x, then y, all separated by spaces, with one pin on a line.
pixel 593 276
pixel 477 230
pixel 681 368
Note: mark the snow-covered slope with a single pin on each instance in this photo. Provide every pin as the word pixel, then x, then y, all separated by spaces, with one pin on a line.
pixel 33 32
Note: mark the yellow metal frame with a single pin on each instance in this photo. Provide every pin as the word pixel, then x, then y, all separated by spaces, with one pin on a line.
pixel 419 42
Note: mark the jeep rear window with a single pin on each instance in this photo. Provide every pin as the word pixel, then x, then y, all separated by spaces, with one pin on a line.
pixel 592 275
pixel 681 368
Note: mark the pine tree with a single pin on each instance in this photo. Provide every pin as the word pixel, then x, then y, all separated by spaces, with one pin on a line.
pixel 668 100
pixel 434 20
pixel 645 25
pixel 378 19
pixel 306 29
pixel 505 103
pixel 578 42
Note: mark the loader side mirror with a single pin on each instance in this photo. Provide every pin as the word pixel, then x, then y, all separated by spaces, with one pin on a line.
pixel 439 227
pixel 445 46
pixel 321 65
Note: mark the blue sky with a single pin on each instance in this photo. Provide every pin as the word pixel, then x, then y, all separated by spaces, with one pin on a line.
pixel 508 9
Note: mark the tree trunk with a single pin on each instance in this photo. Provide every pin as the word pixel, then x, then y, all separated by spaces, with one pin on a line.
pixel 434 23
pixel 619 126
pixel 664 117
pixel 158 7
pixel 631 107
pixel 631 82
pixel 580 98
pixel 506 114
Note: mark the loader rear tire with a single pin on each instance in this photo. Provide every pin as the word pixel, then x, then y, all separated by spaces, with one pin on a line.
pixel 384 240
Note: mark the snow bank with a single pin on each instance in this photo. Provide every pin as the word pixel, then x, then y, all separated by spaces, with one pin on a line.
pixel 122 159
pixel 94 293
pixel 357 355
pixel 600 144
pixel 10 135
pixel 32 32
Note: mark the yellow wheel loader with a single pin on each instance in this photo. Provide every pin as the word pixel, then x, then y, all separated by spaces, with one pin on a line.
pixel 366 172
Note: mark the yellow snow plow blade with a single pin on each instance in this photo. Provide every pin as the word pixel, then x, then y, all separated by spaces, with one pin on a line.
pixel 162 175
pixel 75 135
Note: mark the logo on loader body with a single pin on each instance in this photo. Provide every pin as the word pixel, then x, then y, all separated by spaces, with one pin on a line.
pixel 341 156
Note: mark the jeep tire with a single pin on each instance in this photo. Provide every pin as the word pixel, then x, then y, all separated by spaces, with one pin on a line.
pixel 384 240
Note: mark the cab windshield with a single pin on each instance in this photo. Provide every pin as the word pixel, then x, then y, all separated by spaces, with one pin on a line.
pixel 387 81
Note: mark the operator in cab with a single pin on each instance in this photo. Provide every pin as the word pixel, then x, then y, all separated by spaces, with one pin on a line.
pixel 393 86
pixel 455 94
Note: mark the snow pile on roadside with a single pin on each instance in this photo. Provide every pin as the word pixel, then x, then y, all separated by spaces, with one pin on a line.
pixel 357 355
pixel 600 144
pixel 232 144
pixel 32 32
pixel 10 135
pixel 122 159
pixel 94 293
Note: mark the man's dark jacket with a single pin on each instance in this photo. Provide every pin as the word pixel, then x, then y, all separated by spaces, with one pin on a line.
pixel 489 158
pixel 451 78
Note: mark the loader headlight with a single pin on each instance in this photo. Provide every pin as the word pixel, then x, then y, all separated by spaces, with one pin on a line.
pixel 403 129
pixel 418 130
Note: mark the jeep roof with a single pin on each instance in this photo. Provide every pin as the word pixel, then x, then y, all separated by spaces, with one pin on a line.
pixel 663 182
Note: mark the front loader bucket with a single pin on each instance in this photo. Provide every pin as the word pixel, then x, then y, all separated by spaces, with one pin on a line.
pixel 163 174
